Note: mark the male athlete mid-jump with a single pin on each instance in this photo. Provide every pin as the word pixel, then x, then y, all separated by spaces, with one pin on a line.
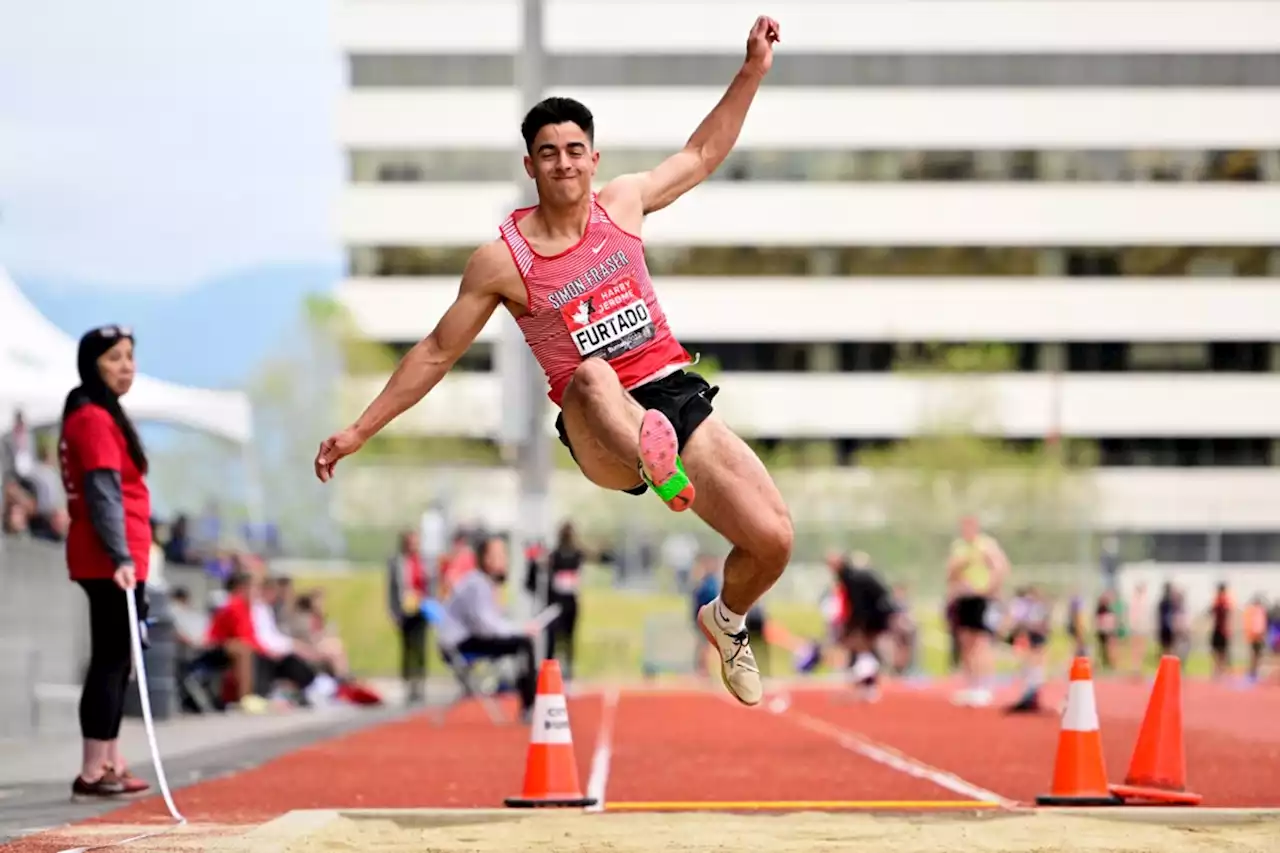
pixel 571 270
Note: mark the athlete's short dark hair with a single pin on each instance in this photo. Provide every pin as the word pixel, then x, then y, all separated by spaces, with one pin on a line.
pixel 556 111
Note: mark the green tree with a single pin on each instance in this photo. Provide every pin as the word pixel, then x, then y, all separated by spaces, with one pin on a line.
pixel 191 470
pixel 296 394
pixel 1037 498
pixel 293 393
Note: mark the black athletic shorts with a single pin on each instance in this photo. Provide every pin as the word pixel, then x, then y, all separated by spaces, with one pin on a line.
pixel 684 397
pixel 971 613
pixel 871 606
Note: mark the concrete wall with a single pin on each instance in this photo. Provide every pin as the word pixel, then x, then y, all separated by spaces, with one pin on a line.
pixel 44 638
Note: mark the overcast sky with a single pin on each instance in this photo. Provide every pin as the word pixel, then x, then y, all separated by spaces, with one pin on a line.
pixel 154 143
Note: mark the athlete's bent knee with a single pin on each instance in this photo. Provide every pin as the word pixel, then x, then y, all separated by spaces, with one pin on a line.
pixel 773 539
pixel 593 379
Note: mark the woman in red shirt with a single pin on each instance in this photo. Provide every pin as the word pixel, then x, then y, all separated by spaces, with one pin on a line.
pixel 108 545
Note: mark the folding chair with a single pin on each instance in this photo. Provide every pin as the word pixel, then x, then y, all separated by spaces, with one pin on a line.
pixel 465 669
pixel 198 683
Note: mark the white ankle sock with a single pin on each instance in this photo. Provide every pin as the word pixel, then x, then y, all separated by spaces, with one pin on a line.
pixel 728 621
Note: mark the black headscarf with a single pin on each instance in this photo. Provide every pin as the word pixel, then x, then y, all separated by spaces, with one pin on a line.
pixel 92 389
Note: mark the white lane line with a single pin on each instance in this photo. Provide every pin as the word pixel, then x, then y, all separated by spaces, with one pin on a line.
pixel 598 781
pixel 890 757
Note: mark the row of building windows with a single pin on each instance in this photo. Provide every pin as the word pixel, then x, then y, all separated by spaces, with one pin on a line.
pixel 925 261
pixel 1239 547
pixel 1104 452
pixel 451 165
pixel 1091 357
pixel 800 69
pixel 1258 452
pixel 882 357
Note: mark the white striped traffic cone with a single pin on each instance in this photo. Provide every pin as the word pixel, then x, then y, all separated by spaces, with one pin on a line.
pixel 1079 771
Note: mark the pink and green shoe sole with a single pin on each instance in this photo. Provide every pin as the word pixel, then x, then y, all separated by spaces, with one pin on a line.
pixel 660 464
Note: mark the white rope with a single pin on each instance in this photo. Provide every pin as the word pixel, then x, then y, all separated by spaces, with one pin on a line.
pixel 135 642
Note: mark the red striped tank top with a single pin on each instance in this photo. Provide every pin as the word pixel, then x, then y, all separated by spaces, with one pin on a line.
pixel 594 300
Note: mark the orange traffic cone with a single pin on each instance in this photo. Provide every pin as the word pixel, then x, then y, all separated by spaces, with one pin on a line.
pixel 551 769
pixel 1158 769
pixel 1079 771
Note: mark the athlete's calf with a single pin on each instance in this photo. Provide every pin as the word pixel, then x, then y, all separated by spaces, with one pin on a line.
pixel 739 500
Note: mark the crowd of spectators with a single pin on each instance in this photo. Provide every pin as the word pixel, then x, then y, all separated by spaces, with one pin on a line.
pixel 258 643
pixel 293 655
pixel 33 503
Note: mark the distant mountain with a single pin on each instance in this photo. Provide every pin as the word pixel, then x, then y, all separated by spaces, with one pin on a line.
pixel 213 335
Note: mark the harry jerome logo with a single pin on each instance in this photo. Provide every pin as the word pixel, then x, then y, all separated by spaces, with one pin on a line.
pixel 610 320
pixel 583 315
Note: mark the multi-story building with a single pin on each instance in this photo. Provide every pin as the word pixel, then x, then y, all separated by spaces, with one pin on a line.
pixel 1094 185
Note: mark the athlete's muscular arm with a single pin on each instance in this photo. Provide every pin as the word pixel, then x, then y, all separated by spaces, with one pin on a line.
pixel 630 198
pixel 426 364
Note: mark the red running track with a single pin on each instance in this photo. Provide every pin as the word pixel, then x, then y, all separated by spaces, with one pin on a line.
pixel 698 747
pixel 1232 741
pixel 692 746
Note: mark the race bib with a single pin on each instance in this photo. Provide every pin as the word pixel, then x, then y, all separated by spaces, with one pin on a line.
pixel 609 321
pixel 410 603
pixel 565 583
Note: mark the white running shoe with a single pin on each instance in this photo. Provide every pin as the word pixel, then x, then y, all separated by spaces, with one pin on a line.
pixel 972 697
pixel 738 669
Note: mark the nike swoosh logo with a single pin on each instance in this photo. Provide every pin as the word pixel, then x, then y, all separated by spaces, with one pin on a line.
pixel 597 249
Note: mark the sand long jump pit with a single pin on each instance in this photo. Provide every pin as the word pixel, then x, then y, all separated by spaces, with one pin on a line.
pixel 437 831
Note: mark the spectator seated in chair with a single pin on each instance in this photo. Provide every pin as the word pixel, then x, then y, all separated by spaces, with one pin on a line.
pixel 253 664
pixel 35 504
pixel 48 519
pixel 299 623
pixel 190 625
pixel 287 659
pixel 308 624
pixel 232 647
pixel 476 627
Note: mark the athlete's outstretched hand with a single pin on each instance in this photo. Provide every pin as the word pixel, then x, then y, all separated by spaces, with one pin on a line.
pixel 333 448
pixel 760 43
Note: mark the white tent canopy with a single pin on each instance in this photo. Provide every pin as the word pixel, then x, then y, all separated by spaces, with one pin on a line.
pixel 38 368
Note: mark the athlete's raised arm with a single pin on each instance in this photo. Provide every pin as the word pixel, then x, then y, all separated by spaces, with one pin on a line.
pixel 637 195
pixel 431 358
